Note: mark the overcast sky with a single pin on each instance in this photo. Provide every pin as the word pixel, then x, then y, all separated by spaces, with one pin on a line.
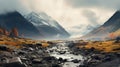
pixel 69 13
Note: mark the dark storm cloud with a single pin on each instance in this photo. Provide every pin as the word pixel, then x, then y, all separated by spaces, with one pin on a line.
pixel 91 16
pixel 107 4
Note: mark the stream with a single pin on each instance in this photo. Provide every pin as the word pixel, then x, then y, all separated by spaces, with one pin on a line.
pixel 61 50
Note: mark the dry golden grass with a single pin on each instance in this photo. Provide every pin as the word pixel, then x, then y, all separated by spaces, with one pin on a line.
pixel 18 42
pixel 45 44
pixel 106 46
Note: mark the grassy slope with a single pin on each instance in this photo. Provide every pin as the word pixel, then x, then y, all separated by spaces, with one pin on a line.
pixel 106 46
pixel 18 42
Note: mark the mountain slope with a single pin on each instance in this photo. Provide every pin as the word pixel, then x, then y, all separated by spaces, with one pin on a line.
pixel 16 20
pixel 47 26
pixel 117 33
pixel 110 26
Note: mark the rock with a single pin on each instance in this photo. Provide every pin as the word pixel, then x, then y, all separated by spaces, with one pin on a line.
pixel 33 57
pixel 4 60
pixel 75 61
pixel 22 53
pixel 71 45
pixel 83 66
pixel 37 61
pixel 49 58
pixel 107 58
pixel 55 65
pixel 113 63
pixel 62 52
pixel 4 48
pixel 5 54
pixel 14 62
pixel 65 60
pixel 60 59
pixel 31 49
pixel 39 44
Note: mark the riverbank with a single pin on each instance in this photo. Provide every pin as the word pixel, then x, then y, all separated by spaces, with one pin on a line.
pixel 56 54
pixel 97 53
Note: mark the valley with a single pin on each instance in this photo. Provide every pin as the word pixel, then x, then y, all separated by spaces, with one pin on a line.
pixel 37 40
pixel 59 53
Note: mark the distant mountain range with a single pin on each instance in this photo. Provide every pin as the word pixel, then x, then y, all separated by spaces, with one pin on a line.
pixel 107 30
pixel 82 29
pixel 33 25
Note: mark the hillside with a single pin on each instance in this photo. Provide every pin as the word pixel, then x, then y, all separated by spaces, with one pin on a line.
pixel 103 32
pixel 16 20
pixel 47 26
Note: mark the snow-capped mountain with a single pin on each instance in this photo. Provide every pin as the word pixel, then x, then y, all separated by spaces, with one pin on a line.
pixel 16 20
pixel 46 25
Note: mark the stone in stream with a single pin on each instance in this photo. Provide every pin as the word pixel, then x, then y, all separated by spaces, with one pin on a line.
pixel 55 65
pixel 62 52
pixel 37 61
pixel 75 61
pixel 60 59
pixel 71 45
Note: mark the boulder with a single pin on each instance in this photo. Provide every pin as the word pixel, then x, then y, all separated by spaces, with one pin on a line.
pixel 37 61
pixel 14 62
pixel 75 61
pixel 4 48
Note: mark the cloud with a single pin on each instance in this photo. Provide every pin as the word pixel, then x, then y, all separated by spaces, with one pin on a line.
pixel 13 5
pixel 106 4
pixel 79 30
pixel 91 16
pixel 71 14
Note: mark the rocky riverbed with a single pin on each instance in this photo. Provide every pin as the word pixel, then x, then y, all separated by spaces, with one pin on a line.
pixel 63 54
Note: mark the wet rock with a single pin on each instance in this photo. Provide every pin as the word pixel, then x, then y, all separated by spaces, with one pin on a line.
pixel 83 65
pixel 15 62
pixel 71 45
pixel 75 61
pixel 55 65
pixel 60 59
pixel 65 60
pixel 62 52
pixel 49 58
pixel 37 61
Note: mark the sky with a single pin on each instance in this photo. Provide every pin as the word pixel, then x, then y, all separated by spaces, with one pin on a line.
pixel 73 15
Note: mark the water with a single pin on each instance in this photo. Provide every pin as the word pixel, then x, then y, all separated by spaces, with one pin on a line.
pixel 62 47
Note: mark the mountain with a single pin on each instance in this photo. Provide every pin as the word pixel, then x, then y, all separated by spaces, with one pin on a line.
pixel 117 33
pixel 47 26
pixel 16 20
pixel 104 31
pixel 82 29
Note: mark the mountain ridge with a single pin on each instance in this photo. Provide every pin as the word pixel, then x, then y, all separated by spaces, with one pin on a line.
pixel 47 25
pixel 16 20
pixel 110 26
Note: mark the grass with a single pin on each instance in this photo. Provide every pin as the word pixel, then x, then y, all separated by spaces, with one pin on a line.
pixel 105 46
pixel 18 42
